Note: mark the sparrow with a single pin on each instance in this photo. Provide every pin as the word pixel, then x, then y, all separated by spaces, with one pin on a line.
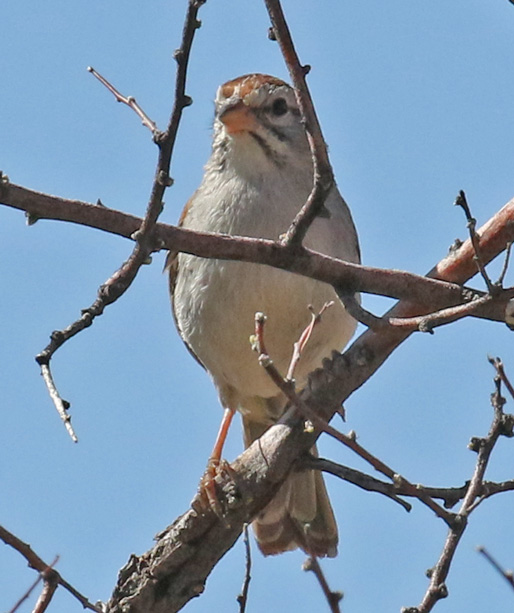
pixel 258 176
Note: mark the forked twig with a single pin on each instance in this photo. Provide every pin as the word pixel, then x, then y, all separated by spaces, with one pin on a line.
pixel 144 237
pixel 449 495
pixel 502 425
pixel 50 575
pixel 314 421
pixel 299 346
pixel 29 591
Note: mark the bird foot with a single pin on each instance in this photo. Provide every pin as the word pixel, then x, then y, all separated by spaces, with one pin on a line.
pixel 217 474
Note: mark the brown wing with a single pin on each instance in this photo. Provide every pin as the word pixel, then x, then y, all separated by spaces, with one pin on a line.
pixel 172 267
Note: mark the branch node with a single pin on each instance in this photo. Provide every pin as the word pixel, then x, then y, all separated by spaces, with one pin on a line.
pixel 507 426
pixel 31 218
pixel 164 179
pixel 509 314
pixel 475 443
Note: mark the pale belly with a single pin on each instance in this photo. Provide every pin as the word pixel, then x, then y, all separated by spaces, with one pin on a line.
pixel 215 306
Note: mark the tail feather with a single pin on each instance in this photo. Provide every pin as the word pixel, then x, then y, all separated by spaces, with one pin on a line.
pixel 299 516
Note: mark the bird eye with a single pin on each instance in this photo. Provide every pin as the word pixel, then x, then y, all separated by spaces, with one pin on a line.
pixel 279 107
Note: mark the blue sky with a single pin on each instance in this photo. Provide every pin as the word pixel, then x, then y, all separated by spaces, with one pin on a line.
pixel 415 100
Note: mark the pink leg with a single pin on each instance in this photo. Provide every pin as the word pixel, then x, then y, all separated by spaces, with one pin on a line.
pixel 213 466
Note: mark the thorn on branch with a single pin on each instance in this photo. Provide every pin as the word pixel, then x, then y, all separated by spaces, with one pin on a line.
pixel 31 218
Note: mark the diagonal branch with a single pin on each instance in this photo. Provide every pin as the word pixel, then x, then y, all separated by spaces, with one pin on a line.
pixel 165 578
pixel 49 574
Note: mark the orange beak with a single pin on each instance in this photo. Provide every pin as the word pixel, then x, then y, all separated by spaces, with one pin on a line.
pixel 238 118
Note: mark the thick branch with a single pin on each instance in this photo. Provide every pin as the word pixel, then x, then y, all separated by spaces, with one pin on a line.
pixel 428 292
pixel 176 568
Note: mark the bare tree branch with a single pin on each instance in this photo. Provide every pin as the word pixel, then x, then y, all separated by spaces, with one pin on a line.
pixel 31 588
pixel 323 174
pixel 449 495
pixel 432 292
pixel 502 424
pixel 176 568
pixel 143 236
pixel 50 575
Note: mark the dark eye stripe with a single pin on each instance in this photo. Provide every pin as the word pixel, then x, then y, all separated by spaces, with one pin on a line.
pixel 267 150
pixel 278 133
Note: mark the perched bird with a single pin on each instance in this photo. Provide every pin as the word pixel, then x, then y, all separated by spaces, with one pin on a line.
pixel 257 178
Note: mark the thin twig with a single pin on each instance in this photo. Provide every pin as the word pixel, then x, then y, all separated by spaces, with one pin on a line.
pixel 502 424
pixel 359 313
pixel 505 264
pixel 498 365
pixel 144 237
pixel 242 599
pixel 423 323
pixel 349 441
pixel 508 575
pixel 61 405
pixel 38 564
pixel 31 588
pixel 333 598
pixel 355 477
pixel 323 175
pixel 461 201
pixel 427 323
pixel 130 101
pixel 450 495
pixel 298 347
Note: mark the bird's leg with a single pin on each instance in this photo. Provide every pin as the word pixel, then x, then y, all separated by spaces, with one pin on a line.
pixel 215 464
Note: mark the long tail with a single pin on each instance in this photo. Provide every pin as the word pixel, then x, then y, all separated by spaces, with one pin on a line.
pixel 299 516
